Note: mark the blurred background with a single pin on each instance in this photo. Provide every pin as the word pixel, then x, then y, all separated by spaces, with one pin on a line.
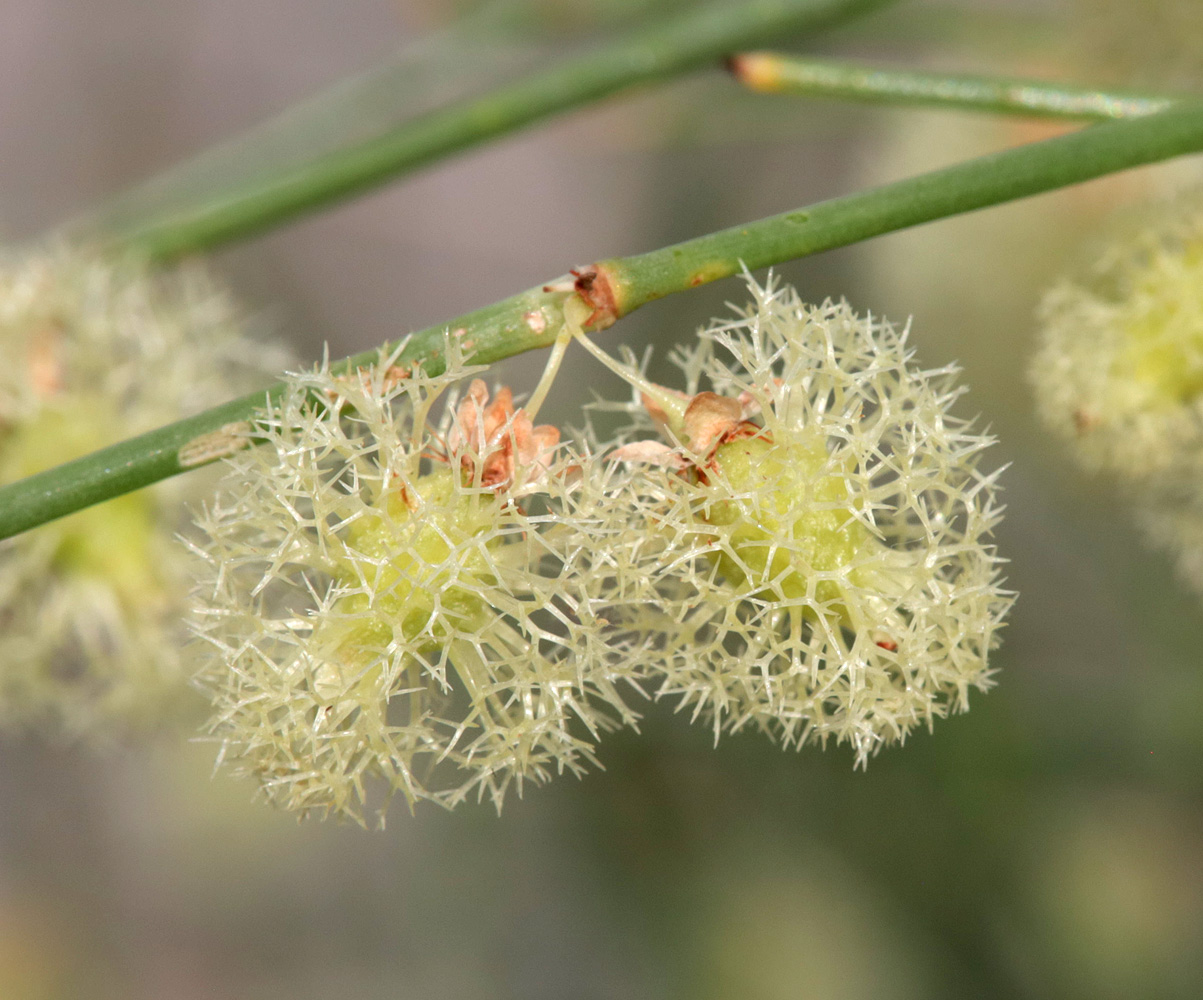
pixel 1047 844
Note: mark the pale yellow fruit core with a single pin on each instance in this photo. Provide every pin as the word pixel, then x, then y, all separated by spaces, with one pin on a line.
pixel 424 568
pixel 791 519
pixel 1164 345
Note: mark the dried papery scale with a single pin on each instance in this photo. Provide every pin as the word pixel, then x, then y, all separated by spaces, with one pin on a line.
pixel 389 600
pixel 90 606
pixel 815 531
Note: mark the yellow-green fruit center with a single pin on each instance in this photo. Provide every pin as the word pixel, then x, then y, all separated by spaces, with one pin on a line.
pixel 1164 349
pixel 419 572
pixel 110 541
pixel 789 522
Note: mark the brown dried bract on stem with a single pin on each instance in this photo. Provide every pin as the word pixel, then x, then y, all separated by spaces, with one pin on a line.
pixel 595 284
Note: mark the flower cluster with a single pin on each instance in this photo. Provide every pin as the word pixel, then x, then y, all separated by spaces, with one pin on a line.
pixel 816 530
pixel 1120 366
pixel 390 605
pixel 90 605
pixel 1119 374
pixel 448 607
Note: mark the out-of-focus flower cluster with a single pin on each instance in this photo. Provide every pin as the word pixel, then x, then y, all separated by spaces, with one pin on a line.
pixel 454 606
pixel 1119 373
pixel 1152 42
pixel 91 605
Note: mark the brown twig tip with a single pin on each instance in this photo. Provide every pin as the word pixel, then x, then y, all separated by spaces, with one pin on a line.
pixel 759 71
pixel 596 285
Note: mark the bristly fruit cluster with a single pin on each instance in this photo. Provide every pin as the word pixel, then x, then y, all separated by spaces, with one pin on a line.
pixel 815 530
pixel 455 606
pixel 388 600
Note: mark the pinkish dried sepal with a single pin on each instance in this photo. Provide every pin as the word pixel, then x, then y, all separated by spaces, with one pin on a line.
pixel 498 445
pixel 651 453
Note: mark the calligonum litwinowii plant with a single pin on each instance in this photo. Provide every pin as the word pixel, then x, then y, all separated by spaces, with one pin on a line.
pixel 388 604
pixel 97 350
pixel 815 530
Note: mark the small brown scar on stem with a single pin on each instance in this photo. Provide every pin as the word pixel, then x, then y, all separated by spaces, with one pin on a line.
pixel 207 448
pixel 535 320
pixel 710 272
pixel 392 377
pixel 397 374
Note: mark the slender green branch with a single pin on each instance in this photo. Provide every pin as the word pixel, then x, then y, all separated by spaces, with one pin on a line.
pixel 769 72
pixel 665 49
pixel 478 51
pixel 616 287
pixel 630 282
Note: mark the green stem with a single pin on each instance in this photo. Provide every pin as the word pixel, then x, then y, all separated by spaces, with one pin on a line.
pixel 616 287
pixel 770 72
pixel 665 49
pixel 965 187
pixel 478 51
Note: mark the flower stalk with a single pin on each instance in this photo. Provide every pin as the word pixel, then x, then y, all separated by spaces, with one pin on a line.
pixel 775 73
pixel 616 287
